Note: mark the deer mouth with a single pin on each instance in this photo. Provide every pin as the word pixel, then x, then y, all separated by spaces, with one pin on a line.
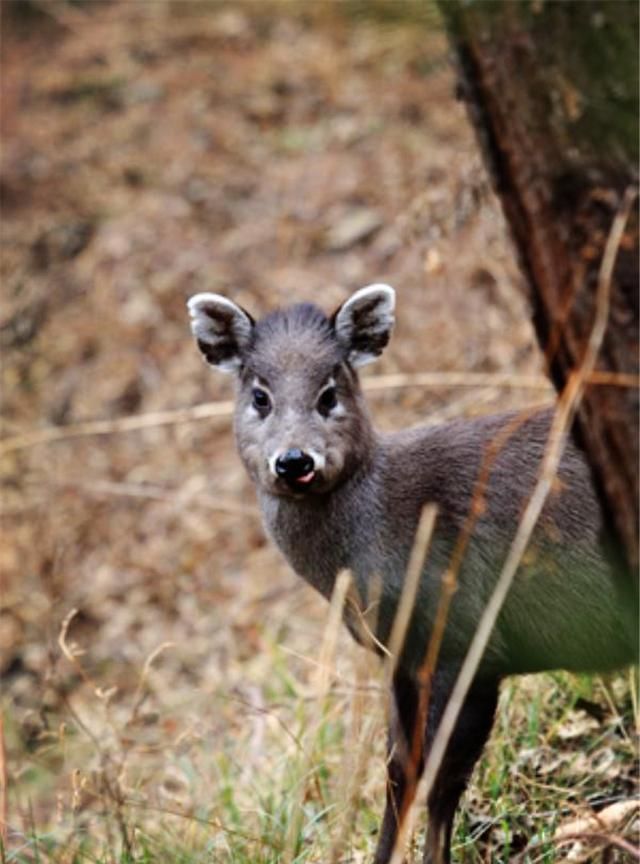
pixel 301 484
pixel 305 479
pixel 298 487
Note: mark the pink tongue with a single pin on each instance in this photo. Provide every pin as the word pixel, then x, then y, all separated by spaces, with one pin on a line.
pixel 306 478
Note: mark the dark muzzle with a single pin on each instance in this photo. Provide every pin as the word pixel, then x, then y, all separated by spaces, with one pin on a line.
pixel 295 467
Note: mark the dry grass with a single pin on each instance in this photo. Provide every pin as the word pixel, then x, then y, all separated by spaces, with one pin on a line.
pixel 153 150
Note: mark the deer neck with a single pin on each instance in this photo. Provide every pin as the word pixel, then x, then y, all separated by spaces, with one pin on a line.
pixel 320 535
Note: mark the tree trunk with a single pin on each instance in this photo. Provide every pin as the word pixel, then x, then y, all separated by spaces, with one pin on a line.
pixel 552 89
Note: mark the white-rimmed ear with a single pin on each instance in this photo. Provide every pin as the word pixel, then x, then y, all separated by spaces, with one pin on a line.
pixel 363 323
pixel 221 328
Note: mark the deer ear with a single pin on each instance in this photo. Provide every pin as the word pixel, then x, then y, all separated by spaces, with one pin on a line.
pixel 222 330
pixel 363 323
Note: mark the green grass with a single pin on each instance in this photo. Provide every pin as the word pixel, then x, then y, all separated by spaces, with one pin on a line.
pixel 272 788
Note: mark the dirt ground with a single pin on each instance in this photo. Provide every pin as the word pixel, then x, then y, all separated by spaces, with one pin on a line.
pixel 153 150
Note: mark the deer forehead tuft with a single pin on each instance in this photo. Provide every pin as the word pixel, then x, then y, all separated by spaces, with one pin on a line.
pixel 298 341
pixel 302 318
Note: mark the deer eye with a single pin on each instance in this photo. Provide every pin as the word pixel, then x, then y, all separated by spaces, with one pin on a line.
pixel 261 401
pixel 327 401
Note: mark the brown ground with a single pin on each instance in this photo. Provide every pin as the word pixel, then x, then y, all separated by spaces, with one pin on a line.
pixel 153 150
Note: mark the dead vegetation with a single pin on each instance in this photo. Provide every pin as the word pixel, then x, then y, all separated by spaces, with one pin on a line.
pixel 152 150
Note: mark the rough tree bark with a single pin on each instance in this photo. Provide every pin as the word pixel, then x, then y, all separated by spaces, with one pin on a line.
pixel 552 89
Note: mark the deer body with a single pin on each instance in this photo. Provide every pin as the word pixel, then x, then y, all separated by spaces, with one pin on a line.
pixel 336 494
pixel 368 526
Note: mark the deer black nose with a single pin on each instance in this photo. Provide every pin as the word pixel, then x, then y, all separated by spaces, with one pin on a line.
pixel 294 464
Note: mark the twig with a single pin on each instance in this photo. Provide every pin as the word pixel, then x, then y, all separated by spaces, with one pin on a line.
pixel 561 424
pixel 604 839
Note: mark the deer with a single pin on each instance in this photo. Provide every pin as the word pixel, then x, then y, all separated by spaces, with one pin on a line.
pixel 337 494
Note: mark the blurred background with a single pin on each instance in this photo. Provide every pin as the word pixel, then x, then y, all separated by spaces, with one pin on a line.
pixel 159 660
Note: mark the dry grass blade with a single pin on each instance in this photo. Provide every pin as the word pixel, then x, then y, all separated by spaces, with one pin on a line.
pixel 363 730
pixel 441 380
pixel 138 697
pixel 415 567
pixel 3 785
pixel 563 417
pixel 324 672
pixel 322 683
pixel 71 651
pixel 224 409
pixel 401 621
pixel 133 423
pixel 448 589
pixel 217 824
pixel 140 521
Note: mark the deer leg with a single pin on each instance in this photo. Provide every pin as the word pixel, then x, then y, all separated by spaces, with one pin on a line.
pixel 465 746
pixel 466 743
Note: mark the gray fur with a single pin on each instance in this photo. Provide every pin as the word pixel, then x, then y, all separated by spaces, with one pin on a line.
pixel 566 608
pixel 362 513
